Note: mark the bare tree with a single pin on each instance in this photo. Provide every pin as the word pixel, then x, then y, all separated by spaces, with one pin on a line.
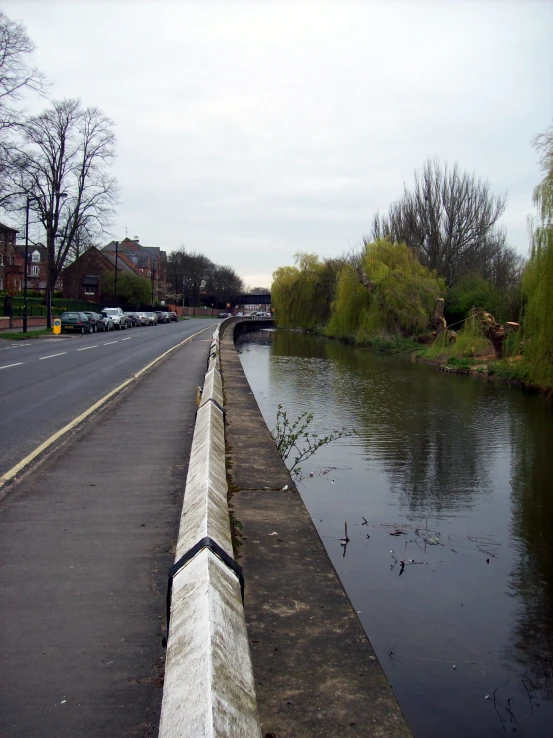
pixel 16 76
pixel 224 284
pixel 62 168
pixel 257 290
pixel 190 271
pixel 450 220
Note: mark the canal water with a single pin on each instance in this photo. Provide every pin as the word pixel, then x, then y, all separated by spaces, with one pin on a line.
pixel 447 492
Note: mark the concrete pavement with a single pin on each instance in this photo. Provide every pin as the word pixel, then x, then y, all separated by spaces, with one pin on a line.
pixel 85 543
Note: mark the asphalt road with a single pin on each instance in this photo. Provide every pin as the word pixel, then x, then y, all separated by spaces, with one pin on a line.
pixel 47 382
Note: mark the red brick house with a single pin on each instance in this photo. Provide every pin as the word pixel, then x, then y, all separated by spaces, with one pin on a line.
pixel 82 280
pixel 37 270
pixel 11 266
pixel 150 261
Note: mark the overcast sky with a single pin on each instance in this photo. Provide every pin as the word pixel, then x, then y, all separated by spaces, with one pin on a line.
pixel 252 130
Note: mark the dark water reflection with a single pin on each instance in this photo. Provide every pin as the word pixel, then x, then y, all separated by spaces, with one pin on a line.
pixel 462 470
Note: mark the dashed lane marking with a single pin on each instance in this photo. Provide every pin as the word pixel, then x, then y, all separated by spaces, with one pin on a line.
pixel 8 365
pixel 87 347
pixel 41 358
pixel 110 342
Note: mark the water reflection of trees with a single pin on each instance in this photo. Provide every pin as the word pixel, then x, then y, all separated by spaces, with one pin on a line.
pixel 532 526
pixel 437 438
pixel 430 433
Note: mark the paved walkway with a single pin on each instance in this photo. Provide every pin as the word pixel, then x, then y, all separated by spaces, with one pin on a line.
pixel 85 544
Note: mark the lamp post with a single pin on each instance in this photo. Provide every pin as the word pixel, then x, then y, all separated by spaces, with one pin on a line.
pixel 26 265
pixel 51 255
pixel 116 255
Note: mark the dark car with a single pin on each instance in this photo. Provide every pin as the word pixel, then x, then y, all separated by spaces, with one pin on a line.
pixel 173 317
pixel 134 319
pixel 76 322
pixel 97 323
pixel 161 316
pixel 222 315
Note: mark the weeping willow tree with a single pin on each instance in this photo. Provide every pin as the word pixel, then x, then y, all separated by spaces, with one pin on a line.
pixel 301 295
pixel 537 327
pixel 394 294
pixel 352 299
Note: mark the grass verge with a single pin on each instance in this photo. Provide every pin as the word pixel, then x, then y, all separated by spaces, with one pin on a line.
pixel 20 336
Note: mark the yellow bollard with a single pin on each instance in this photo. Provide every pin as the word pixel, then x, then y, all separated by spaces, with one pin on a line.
pixel 57 326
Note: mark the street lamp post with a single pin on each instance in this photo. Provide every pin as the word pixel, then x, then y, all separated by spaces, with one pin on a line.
pixel 26 266
pixel 116 255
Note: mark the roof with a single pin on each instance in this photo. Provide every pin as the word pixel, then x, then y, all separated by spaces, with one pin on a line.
pixel 4 227
pixel 123 262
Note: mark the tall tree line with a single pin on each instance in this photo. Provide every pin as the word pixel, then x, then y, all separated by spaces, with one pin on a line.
pixel 191 274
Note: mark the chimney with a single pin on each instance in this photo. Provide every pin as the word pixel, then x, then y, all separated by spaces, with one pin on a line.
pixel 135 239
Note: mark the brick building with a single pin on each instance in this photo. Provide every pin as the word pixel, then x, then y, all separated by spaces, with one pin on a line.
pixel 11 265
pixel 82 280
pixel 150 261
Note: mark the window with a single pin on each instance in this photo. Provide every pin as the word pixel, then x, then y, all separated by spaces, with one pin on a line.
pixel 89 289
pixel 1 260
pixel 36 257
pixel 34 271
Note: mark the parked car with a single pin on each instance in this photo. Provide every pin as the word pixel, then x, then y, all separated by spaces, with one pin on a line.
pixel 161 316
pixel 96 320
pixel 222 315
pixel 144 318
pixel 107 320
pixel 152 317
pixel 76 322
pixel 173 317
pixel 118 316
pixel 134 319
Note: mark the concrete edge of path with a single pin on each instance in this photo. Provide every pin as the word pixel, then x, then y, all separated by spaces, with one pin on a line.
pixel 209 687
pixel 12 474
pixel 316 673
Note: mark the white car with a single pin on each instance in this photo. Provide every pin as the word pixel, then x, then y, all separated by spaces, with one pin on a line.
pixel 118 316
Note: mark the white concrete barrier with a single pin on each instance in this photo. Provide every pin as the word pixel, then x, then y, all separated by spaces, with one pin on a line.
pixel 205 507
pixel 209 686
pixel 213 387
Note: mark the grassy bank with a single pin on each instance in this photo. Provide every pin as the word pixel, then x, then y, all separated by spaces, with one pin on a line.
pixel 471 353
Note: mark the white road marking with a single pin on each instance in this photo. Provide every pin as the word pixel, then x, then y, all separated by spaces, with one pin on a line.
pixel 110 342
pixel 14 345
pixel 43 446
pixel 8 365
pixel 52 356
pixel 87 347
pixel 126 339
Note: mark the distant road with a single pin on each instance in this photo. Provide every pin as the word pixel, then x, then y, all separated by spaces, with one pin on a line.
pixel 45 383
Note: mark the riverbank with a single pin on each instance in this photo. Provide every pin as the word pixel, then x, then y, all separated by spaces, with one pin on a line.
pixel 483 363
pixel 315 670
